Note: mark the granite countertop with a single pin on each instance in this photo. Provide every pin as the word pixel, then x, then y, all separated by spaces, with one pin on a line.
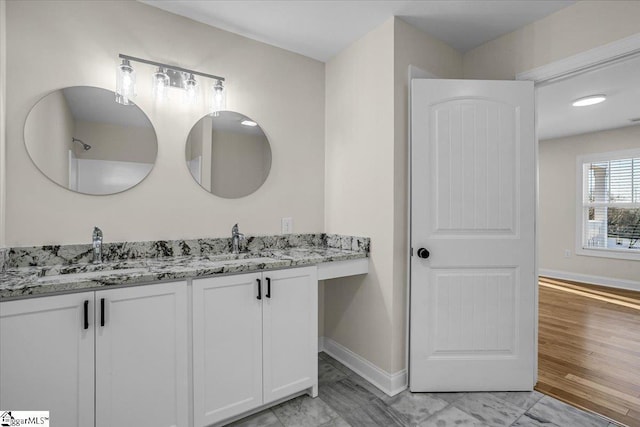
pixel 42 275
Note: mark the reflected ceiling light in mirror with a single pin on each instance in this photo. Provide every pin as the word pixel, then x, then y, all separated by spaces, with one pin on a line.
pixel 218 98
pixel 248 123
pixel 125 83
pixel 589 100
pixel 161 83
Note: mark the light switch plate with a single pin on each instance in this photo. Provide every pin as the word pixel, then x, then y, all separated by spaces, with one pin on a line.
pixel 287 225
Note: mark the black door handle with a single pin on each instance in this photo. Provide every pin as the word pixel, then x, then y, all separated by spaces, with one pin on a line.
pixel 101 311
pixel 86 314
pixel 423 253
pixel 268 294
pixel 259 289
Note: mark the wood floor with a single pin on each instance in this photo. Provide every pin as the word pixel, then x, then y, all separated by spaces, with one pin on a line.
pixel 589 348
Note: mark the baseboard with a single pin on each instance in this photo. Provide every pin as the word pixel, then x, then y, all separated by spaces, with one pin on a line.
pixel 320 344
pixel 390 384
pixel 594 280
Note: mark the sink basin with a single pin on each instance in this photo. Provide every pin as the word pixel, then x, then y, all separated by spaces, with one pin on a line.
pixel 89 275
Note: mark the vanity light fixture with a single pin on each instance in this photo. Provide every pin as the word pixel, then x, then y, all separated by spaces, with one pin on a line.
pixel 218 98
pixel 163 78
pixel 248 123
pixel 125 83
pixel 589 100
pixel 190 89
pixel 161 84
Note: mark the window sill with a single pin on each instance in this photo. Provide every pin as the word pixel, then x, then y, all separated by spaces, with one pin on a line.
pixel 609 253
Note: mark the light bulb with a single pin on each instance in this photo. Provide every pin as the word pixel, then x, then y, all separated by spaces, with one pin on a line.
pixel 160 84
pixel 125 83
pixel 218 98
pixel 190 90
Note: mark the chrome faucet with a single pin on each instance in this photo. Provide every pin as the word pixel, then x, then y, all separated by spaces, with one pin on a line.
pixel 97 245
pixel 236 236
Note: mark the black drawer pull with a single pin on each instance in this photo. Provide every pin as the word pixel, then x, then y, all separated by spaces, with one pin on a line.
pixel 101 311
pixel 259 289
pixel 86 314
pixel 268 294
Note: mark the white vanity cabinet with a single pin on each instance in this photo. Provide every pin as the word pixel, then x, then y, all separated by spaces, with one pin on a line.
pixel 142 374
pixel 126 348
pixel 254 341
pixel 46 357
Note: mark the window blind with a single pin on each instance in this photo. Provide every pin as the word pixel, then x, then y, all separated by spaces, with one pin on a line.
pixel 611 204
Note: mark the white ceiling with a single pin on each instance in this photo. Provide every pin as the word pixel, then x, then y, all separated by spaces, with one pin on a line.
pixel 620 82
pixel 322 28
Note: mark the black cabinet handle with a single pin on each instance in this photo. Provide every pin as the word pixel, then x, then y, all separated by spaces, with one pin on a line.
pixel 259 289
pixel 268 294
pixel 101 311
pixel 86 314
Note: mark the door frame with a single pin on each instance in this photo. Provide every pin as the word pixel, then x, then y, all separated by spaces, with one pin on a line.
pixel 545 74
pixel 563 69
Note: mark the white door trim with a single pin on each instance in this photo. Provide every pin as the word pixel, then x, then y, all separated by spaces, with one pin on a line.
pixel 564 68
pixel 584 60
pixel 413 73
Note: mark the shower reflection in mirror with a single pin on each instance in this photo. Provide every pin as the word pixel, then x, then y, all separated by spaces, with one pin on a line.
pixel 84 141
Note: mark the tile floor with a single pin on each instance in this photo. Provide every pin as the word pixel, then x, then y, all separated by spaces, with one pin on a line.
pixel 346 399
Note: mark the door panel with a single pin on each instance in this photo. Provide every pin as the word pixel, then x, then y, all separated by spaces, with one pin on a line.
pixel 475 173
pixel 46 360
pixel 473 204
pixel 290 332
pixel 141 356
pixel 227 347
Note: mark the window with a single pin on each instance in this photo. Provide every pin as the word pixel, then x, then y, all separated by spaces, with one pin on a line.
pixel 609 205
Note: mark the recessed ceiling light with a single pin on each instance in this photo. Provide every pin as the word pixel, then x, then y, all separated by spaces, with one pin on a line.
pixel 248 123
pixel 589 100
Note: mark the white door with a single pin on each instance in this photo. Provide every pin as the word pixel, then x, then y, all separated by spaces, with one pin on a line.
pixel 46 357
pixel 290 332
pixel 227 347
pixel 473 299
pixel 141 356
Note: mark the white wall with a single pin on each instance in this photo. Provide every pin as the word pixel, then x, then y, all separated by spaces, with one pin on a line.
pixel 557 220
pixel 55 44
pixel 359 181
pixel 240 162
pixel 574 29
pixel 3 109
pixel 48 137
pixel 366 184
pixel 115 142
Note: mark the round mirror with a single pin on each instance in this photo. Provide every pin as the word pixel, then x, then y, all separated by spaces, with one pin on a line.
pixel 228 155
pixel 81 139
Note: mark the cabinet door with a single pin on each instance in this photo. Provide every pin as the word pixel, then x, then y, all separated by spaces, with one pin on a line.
pixel 141 356
pixel 227 347
pixel 290 332
pixel 46 357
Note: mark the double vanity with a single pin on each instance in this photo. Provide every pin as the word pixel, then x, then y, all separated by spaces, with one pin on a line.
pixel 165 333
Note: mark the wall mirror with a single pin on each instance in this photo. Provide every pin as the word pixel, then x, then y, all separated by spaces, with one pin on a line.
pixel 81 139
pixel 228 155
